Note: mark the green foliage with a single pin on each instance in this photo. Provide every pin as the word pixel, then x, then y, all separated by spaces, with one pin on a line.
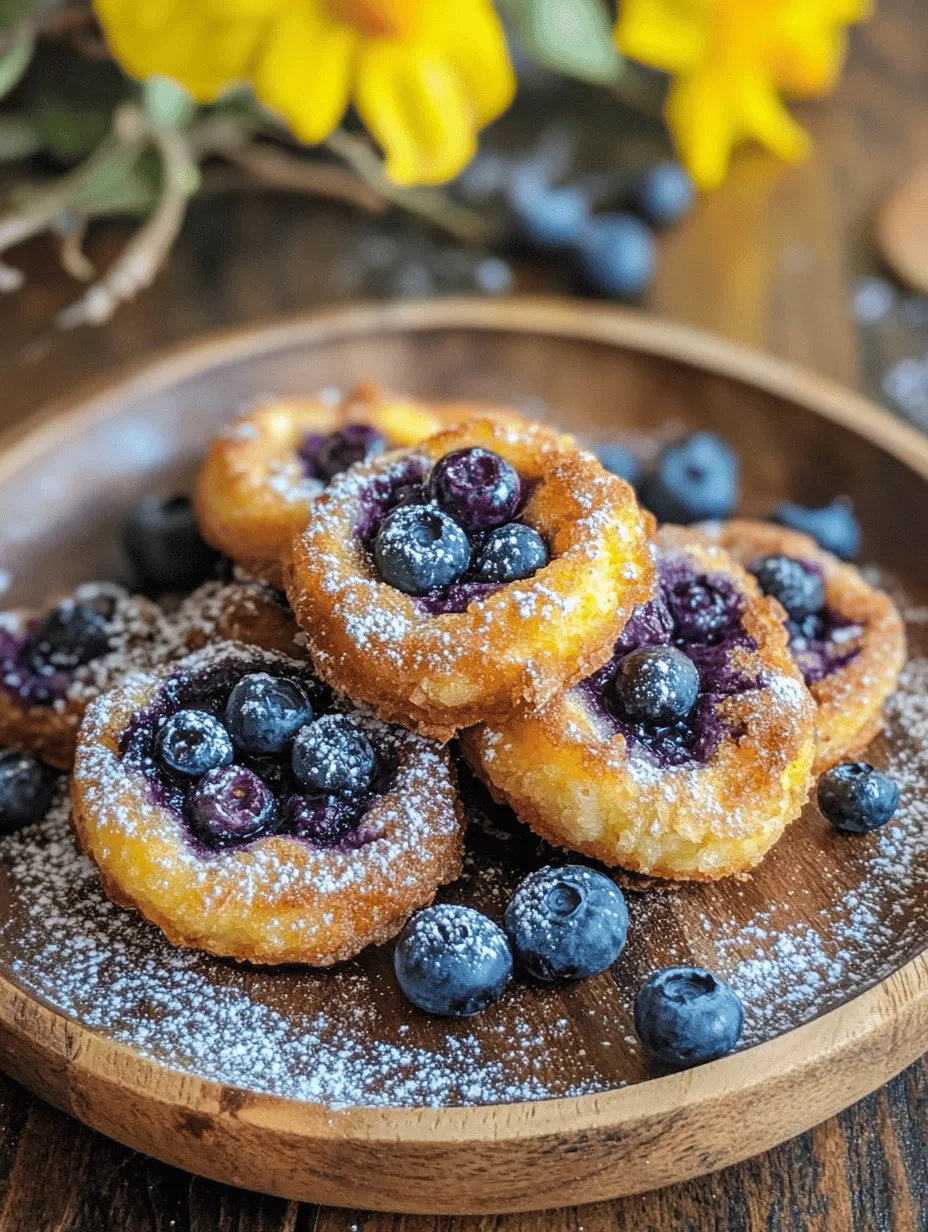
pixel 168 103
pixel 12 12
pixel 573 37
pixel 19 138
pixel 16 58
pixel 68 132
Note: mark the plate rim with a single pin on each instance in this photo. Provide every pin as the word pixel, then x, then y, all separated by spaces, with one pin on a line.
pixel 894 1010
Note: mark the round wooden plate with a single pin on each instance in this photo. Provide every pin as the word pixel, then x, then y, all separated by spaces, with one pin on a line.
pixel 328 1087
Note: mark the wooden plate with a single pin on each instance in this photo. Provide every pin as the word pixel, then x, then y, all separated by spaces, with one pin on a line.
pixel 327 1087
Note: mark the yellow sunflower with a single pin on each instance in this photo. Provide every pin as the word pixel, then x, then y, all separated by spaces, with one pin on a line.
pixel 729 60
pixel 425 75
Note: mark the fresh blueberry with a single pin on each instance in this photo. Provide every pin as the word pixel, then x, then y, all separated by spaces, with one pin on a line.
pixel 322 820
pixel 700 613
pixel 665 194
pixel 410 494
pixel 509 554
pixel 452 960
pixel 566 923
pixel 70 635
pixel 264 712
pixel 193 742
pixel 694 479
pixel 419 548
pixel 333 757
pixel 547 216
pixel 231 804
pixel 165 547
pixel 686 1015
pixel 657 685
pixel 621 462
pixel 353 443
pixel 617 254
pixel 26 789
pixel 478 488
pixel 799 587
pixel 856 797
pixel 835 528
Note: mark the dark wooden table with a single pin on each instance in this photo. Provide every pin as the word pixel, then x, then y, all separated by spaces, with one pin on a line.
pixel 770 261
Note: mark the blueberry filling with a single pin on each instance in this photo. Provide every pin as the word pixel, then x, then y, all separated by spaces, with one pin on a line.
pixel 821 641
pixel 324 457
pixel 188 744
pixel 38 664
pixel 672 666
pixel 450 536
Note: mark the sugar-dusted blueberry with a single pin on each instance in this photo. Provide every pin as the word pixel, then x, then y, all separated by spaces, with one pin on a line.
pixel 856 797
pixel 265 712
pixel 453 961
pixel 835 528
pixel 546 216
pixel 617 254
pixel 419 548
pixel 566 923
pixel 657 685
pixel 621 461
pixel 229 805
pixel 686 1015
pixel 410 494
pixel 321 820
pixel 477 487
pixel 665 193
pixel 27 786
pixel 509 554
pixel 165 547
pixel 797 585
pixel 354 443
pixel 700 613
pixel 333 757
pixel 193 742
pixel 693 479
pixel 71 635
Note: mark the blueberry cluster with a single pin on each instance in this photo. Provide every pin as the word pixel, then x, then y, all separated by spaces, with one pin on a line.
pixel 37 668
pixel 614 251
pixel 458 526
pixel 268 766
pixel 562 924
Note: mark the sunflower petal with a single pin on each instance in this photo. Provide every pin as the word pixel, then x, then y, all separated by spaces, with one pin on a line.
pixel 469 34
pixel 700 116
pixel 668 34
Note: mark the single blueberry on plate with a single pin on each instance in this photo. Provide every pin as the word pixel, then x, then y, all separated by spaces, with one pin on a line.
pixel 477 487
pixel 322 820
pixel 351 444
pixel 419 548
pixel 71 635
pixel 566 923
pixel 834 528
pixel 193 742
pixel 546 216
pixel 333 757
pixel 453 961
pixel 229 805
pixel 693 479
pixel 799 587
pixel 657 685
pixel 665 194
pixel 622 462
pixel 264 712
pixel 856 797
pixel 165 547
pixel 509 554
pixel 27 786
pixel 616 253
pixel 686 1015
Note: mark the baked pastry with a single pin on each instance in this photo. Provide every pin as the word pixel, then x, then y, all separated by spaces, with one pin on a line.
pixel 234 803
pixel 471 577
pixel 243 609
pixel 52 663
pixel 260 475
pixel 688 753
pixel 847 637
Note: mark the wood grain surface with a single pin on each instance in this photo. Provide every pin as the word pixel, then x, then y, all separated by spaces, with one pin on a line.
pixel 786 291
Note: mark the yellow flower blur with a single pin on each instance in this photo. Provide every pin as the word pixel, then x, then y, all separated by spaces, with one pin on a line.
pixel 424 75
pixel 730 59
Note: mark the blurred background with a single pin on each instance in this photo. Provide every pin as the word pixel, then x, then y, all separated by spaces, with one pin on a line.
pixel 755 169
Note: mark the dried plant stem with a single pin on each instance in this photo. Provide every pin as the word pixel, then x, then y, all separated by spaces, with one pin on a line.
pixel 73 258
pixel 278 169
